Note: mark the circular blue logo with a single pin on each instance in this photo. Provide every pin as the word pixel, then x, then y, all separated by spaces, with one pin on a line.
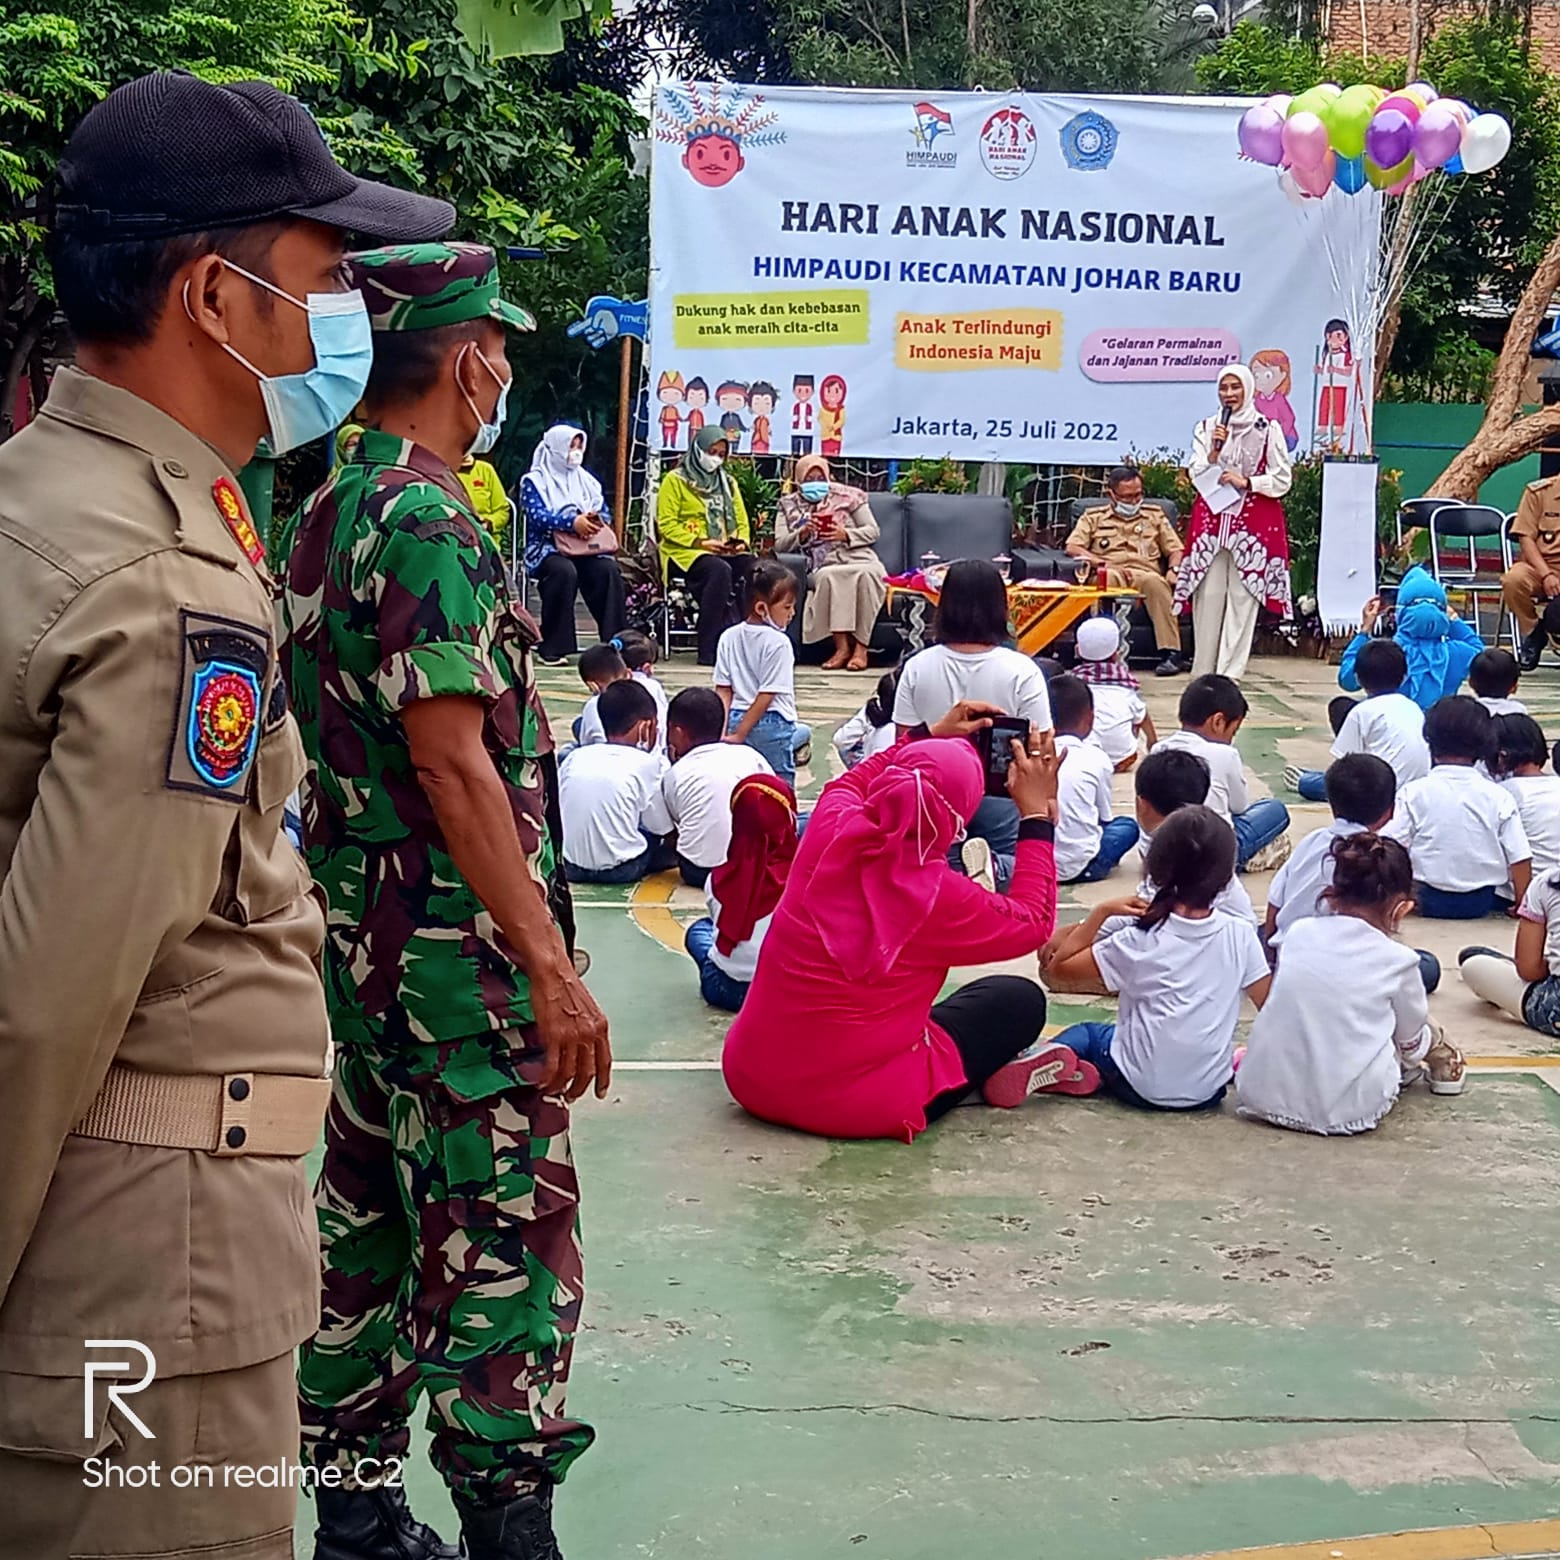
pixel 1089 141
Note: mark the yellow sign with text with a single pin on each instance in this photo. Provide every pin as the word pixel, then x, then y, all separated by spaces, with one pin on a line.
pixel 992 338
pixel 830 317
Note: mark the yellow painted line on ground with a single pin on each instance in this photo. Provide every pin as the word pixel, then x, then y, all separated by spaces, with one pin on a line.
pixel 1459 1543
pixel 649 907
pixel 1515 1062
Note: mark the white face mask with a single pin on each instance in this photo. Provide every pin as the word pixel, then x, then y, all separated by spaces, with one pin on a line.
pixel 487 432
pixel 1128 511
pixel 709 463
pixel 576 457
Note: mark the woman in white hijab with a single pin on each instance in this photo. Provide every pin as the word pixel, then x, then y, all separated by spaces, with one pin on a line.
pixel 1237 548
pixel 567 532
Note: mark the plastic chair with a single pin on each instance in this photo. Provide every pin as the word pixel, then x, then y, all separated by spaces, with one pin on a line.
pixel 517 569
pixel 674 593
pixel 1468 524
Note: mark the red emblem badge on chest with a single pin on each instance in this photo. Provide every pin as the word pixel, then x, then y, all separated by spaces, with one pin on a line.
pixel 230 505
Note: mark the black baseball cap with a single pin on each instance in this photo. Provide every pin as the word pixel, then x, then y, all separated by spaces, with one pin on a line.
pixel 169 154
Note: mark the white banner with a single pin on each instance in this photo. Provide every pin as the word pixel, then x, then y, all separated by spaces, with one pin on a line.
pixel 992 277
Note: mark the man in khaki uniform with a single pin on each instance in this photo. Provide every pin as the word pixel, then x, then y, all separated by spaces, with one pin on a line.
pixel 1534 578
pixel 162 1025
pixel 1139 549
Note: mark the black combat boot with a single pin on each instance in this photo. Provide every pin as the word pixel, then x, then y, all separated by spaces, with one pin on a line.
pixel 373 1525
pixel 519 1529
pixel 1531 650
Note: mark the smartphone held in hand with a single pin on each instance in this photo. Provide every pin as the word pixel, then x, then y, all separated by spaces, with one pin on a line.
pixel 995 746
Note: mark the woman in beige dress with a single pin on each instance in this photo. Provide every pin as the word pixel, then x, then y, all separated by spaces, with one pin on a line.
pixel 833 527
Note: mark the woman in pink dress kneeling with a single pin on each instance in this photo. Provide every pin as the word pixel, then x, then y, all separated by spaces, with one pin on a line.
pixel 839 1035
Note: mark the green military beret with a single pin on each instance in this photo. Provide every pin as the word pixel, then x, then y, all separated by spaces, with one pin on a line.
pixel 423 286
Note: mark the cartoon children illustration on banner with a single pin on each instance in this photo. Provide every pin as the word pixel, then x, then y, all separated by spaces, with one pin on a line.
pixel 698 399
pixel 802 412
pixel 669 392
pixel 714 125
pixel 831 414
pixel 1270 369
pixel 1339 383
pixel 761 403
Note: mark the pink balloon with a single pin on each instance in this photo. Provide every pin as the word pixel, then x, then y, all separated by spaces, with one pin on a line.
pixel 1316 181
pixel 1437 136
pixel 1411 108
pixel 1305 141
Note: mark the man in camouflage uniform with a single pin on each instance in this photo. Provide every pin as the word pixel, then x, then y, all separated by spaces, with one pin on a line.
pixel 1138 548
pixel 448 1199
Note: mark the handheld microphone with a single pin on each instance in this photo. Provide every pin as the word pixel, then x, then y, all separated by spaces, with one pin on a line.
pixel 1224 417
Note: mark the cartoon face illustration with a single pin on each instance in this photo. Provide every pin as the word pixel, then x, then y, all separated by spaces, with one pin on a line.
pixel 713 160
pixel 802 389
pixel 731 397
pixel 1337 336
pixel 698 393
pixel 832 392
pixel 761 399
pixel 714 125
pixel 669 391
pixel 1270 369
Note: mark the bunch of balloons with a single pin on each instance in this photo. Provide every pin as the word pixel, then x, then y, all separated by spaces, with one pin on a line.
pixel 1347 137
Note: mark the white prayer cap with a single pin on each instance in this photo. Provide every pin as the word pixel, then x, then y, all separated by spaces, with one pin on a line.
pixel 1098 639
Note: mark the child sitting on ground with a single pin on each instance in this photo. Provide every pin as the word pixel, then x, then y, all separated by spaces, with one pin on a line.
pixel 638 652
pixel 744 890
pixel 1517 766
pixel 1179 966
pixel 600 666
pixel 755 672
pixel 1526 988
pixel 698 786
pixel 1120 715
pixel 1329 1055
pixel 1362 792
pixel 871 729
pixel 1493 677
pixel 1090 839
pixel 1463 832
pixel 1212 709
pixel 615 820
pixel 1386 722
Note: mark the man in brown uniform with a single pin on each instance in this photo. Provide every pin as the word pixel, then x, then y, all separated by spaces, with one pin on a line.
pixel 1534 578
pixel 1139 549
pixel 162 1026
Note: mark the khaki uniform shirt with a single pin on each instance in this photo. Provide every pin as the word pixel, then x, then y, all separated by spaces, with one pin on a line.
pixel 152 913
pixel 1538 517
pixel 1143 542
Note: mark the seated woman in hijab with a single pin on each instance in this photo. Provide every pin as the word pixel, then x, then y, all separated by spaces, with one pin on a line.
pixel 832 525
pixel 1438 645
pixel 702 530
pixel 564 508
pixel 839 1035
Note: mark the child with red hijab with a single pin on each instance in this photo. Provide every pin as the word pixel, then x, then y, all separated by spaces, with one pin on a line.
pixel 743 891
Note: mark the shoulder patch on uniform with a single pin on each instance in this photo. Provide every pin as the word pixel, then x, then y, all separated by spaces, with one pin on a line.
pixel 216 727
pixel 426 530
pixel 230 505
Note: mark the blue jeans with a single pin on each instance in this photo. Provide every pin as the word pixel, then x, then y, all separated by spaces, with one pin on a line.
pixel 1444 904
pixel 657 856
pixel 1116 839
pixel 1429 970
pixel 1312 785
pixel 1259 825
pixel 777 738
pixel 715 985
pixel 1092 1042
pixel 995 822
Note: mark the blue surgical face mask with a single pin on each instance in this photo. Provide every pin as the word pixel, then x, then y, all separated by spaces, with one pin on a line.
pixel 487 432
pixel 1128 511
pixel 301 407
pixel 814 492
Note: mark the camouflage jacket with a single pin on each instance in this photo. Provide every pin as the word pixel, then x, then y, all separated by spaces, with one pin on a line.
pixel 393 593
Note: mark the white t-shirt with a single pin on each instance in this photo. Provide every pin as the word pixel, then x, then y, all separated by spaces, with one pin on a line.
pixel 1462 830
pixel 697 790
pixel 742 962
pixel 1504 706
pixel 609 793
pixel 937 679
pixel 1232 899
pixel 1227 793
pixel 1296 892
pixel 591 729
pixel 1538 805
pixel 1392 728
pixel 1326 1052
pixel 658 693
pixel 755 658
pixel 1118 712
pixel 858 733
pixel 1542 903
pixel 1083 804
pixel 1180 988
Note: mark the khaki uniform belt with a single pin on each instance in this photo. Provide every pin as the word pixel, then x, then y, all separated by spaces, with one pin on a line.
pixel 229 1115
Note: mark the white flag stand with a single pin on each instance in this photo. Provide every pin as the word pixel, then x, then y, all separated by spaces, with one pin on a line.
pixel 1346 559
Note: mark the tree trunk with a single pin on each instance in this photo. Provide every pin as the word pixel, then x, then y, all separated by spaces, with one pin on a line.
pixel 1505 435
pixel 29 332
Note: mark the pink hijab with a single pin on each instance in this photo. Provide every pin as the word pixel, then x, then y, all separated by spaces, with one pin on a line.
pixel 875 882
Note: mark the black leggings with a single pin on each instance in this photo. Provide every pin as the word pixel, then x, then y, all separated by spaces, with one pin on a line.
pixel 990 1020
pixel 717 583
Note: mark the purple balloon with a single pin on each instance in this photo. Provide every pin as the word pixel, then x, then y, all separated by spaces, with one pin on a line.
pixel 1262 135
pixel 1389 137
pixel 1437 136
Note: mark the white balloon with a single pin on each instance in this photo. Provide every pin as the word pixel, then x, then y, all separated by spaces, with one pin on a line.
pixel 1424 89
pixel 1486 138
pixel 1286 182
pixel 1329 89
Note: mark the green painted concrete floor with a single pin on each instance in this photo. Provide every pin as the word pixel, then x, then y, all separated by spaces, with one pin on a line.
pixel 1069 1330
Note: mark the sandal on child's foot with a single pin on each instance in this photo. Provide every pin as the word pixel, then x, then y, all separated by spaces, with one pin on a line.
pixel 1444 1067
pixel 1044 1066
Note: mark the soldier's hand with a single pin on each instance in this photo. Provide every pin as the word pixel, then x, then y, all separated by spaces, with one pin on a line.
pixel 573 1032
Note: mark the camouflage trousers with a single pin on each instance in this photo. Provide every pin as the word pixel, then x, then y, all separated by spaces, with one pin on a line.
pixel 452 1272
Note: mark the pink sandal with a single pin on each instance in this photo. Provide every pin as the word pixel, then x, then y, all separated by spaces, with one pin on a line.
pixel 1046 1068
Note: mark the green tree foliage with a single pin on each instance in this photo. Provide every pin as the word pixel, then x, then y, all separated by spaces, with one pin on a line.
pixel 1498 224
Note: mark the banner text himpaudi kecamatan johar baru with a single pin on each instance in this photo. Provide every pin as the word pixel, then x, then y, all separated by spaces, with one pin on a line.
pixel 987 276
